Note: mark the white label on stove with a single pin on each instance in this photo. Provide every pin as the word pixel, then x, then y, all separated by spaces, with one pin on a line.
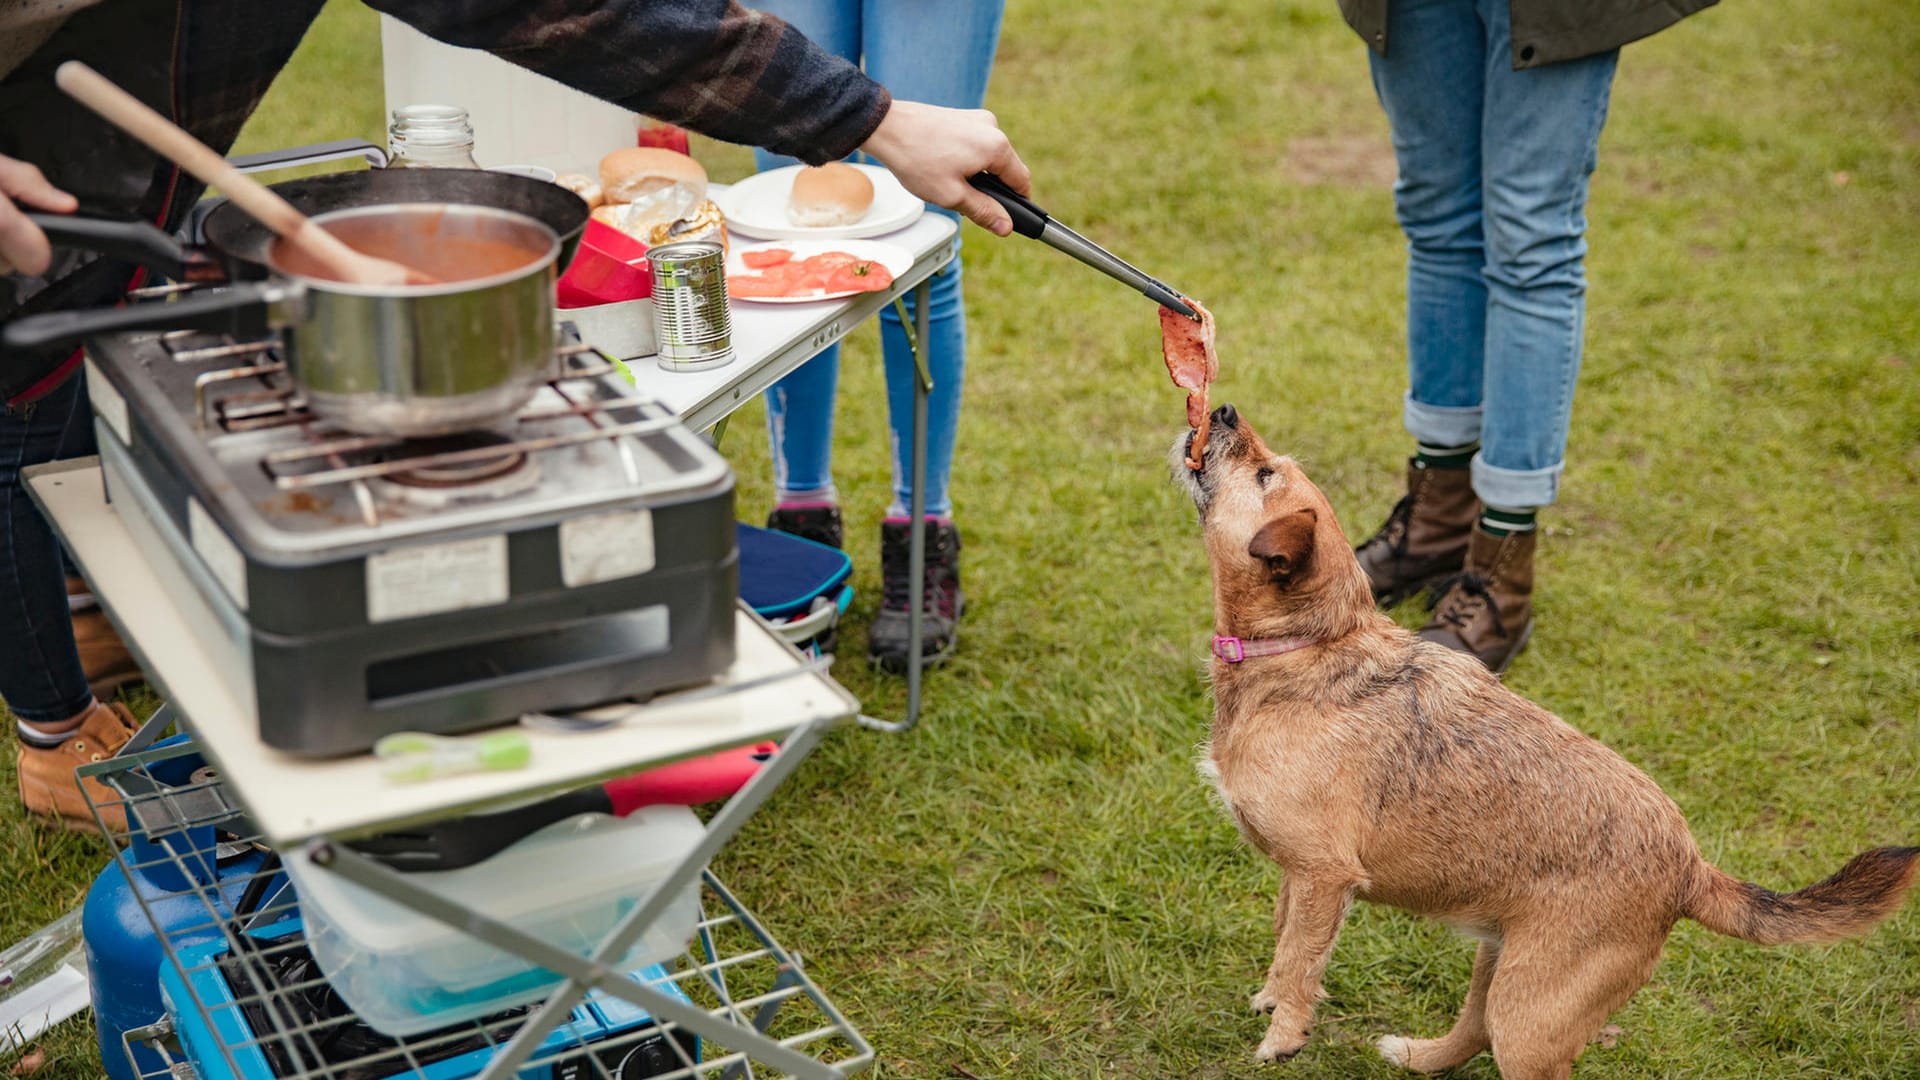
pixel 217 551
pixel 603 547
pixel 433 578
pixel 108 405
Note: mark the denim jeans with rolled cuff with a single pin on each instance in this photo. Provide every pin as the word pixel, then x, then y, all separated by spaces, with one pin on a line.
pixel 41 680
pixel 933 51
pixel 1492 196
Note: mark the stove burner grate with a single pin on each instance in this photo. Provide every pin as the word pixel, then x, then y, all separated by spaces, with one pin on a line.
pixel 483 464
pixel 452 461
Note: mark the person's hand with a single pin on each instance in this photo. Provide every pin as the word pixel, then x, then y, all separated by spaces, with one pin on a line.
pixel 933 150
pixel 22 245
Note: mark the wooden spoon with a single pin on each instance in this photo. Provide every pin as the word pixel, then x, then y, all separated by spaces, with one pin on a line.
pixel 170 141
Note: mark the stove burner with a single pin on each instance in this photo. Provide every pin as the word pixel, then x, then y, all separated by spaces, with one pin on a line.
pixel 432 472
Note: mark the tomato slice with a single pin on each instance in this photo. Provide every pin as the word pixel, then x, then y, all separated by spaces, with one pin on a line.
pixel 828 260
pixel 757 285
pixel 831 271
pixel 859 277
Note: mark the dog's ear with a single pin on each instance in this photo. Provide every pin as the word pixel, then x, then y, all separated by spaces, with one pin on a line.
pixel 1285 544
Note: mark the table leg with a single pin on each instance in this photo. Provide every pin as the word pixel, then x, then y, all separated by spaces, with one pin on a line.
pixel 150 731
pixel 917 536
pixel 917 559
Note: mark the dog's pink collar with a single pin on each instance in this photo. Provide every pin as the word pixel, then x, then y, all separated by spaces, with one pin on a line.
pixel 1233 649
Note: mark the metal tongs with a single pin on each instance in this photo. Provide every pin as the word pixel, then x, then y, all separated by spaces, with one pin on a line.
pixel 1031 221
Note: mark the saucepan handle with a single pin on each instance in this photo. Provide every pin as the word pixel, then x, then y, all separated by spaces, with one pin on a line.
pixel 240 310
pixel 134 241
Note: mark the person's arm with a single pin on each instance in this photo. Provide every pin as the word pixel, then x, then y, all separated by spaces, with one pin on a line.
pixel 736 75
pixel 23 247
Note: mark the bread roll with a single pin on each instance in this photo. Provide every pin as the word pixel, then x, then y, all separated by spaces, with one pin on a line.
pixel 626 175
pixel 584 186
pixel 829 195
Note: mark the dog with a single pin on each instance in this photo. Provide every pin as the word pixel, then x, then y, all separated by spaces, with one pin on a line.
pixel 1375 766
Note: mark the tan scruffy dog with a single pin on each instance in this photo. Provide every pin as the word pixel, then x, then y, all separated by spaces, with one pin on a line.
pixel 1372 765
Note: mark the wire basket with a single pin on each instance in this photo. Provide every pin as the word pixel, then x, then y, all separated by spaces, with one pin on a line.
pixel 246 1001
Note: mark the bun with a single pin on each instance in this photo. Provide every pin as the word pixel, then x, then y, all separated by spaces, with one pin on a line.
pixel 626 175
pixel 584 186
pixel 829 195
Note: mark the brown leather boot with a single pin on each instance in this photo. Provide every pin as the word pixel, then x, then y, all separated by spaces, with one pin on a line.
pixel 103 656
pixel 1425 537
pixel 1487 609
pixel 46 778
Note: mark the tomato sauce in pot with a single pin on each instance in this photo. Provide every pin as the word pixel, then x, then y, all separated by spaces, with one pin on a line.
pixel 447 247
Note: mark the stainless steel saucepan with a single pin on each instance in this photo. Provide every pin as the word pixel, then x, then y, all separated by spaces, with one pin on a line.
pixel 404 360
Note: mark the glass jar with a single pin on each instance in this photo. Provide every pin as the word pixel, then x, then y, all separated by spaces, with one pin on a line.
pixel 431 137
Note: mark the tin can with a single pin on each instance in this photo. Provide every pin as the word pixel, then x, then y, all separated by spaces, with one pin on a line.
pixel 690 316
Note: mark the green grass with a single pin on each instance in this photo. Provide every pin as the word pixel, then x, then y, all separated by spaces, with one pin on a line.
pixel 1034 884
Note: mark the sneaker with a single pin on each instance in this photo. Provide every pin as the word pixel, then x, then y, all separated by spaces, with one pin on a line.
pixel 103 656
pixel 887 639
pixel 819 523
pixel 47 785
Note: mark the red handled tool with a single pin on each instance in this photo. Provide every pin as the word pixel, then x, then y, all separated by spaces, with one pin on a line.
pixel 458 842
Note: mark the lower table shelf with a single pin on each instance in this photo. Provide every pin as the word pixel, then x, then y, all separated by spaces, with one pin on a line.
pixel 243 997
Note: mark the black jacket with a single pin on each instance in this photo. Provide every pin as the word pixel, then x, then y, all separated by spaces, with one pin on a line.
pixel 1549 31
pixel 710 65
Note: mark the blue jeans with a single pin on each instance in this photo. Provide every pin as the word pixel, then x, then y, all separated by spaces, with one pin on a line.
pixel 40 675
pixel 1492 196
pixel 939 52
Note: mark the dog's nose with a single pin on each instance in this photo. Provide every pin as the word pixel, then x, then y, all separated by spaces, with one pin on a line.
pixel 1226 416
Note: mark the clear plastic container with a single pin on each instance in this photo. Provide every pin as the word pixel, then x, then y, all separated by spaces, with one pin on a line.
pixel 567 884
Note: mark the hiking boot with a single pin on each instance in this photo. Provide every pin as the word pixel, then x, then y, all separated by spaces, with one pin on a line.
pixel 820 524
pixel 1487 608
pixel 103 656
pixel 46 778
pixel 942 600
pixel 1425 537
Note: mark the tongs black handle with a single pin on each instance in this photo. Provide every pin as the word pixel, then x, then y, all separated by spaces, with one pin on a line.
pixel 1032 222
pixel 1028 220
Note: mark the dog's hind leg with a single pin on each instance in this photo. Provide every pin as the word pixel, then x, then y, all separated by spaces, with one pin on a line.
pixel 1548 1000
pixel 1316 906
pixel 1469 1034
pixel 1269 993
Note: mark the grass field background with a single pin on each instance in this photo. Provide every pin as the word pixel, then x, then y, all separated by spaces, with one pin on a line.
pixel 1035 884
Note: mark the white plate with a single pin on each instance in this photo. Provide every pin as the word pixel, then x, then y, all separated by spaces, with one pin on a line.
pixel 757 207
pixel 896 259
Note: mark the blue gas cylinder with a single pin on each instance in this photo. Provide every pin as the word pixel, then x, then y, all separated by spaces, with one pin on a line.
pixel 171 883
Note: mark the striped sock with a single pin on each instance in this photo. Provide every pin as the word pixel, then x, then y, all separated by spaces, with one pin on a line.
pixel 1444 457
pixel 1505 521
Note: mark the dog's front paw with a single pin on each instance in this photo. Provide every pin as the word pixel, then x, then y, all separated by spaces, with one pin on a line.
pixel 1281 1044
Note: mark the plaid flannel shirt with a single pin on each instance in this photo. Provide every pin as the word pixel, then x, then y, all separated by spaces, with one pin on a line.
pixel 709 65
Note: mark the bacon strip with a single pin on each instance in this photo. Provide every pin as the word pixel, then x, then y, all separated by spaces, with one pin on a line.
pixel 1187 347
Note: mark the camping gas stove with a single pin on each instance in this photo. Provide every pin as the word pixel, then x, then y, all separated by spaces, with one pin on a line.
pixel 581 552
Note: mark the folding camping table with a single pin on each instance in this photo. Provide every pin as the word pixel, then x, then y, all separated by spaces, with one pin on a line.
pixel 773 691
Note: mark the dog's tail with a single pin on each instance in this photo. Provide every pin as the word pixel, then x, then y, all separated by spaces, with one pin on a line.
pixel 1866 890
